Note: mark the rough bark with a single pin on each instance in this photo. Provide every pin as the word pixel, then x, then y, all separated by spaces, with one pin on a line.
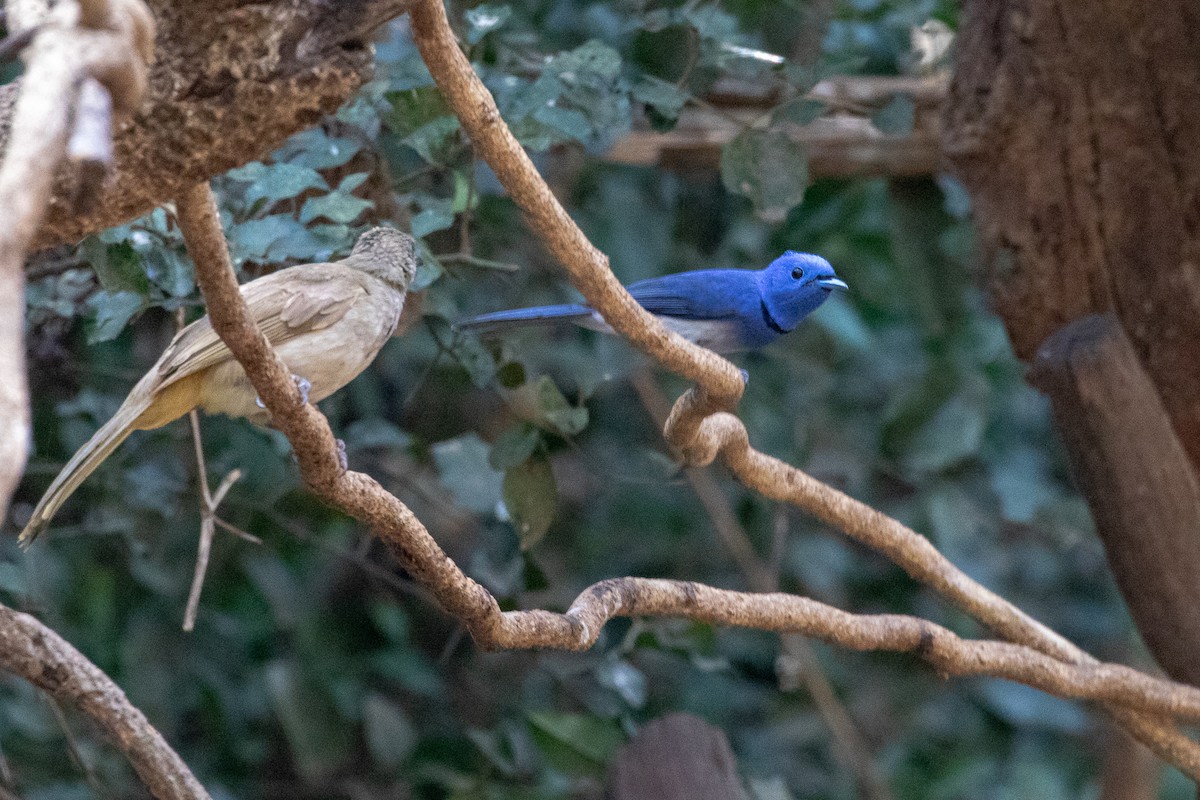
pixel 1137 479
pixel 232 81
pixel 1076 128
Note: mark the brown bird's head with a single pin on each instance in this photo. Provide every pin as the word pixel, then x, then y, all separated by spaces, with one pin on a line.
pixel 387 254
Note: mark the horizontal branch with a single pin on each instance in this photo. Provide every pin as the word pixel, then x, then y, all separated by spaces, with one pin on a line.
pixel 842 144
pixel 946 652
pixel 39 655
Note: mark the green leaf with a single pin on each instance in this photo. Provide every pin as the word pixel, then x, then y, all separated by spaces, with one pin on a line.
pixel 111 311
pixel 318 741
pixel 511 374
pixel 542 404
pixel 390 734
pixel 154 484
pixel 772 788
pixel 1023 481
pixel 288 600
pixel 532 576
pixel 169 271
pixel 531 498
pixel 423 121
pixel 392 622
pixel 429 269
pixel 483 19
pixel 475 359
pixel 571 123
pixel 1025 707
pixel 12 579
pixel 514 446
pixel 117 265
pixel 464 194
pixel 574 742
pixel 353 181
pixel 591 60
pixel 277 181
pixel 562 417
pixel 626 680
pixel 463 465
pixel 435 215
pixel 253 239
pixel 798 112
pixel 769 168
pixel 664 97
pixel 895 118
pixel 318 150
pixel 435 140
pixel 335 207
pixel 375 432
pixel 954 433
pixel 493 746
pixel 413 108
pixel 410 670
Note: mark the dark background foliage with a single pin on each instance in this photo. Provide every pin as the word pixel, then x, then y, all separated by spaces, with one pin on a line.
pixel 318 670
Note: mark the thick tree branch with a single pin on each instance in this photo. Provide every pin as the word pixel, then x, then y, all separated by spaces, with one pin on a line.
pixel 30 649
pixel 60 57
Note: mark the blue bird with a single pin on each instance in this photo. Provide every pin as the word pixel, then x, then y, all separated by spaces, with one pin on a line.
pixel 725 310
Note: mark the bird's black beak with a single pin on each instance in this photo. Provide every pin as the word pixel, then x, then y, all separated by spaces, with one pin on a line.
pixel 829 284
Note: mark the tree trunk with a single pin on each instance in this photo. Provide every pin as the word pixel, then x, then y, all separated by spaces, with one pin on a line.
pixel 1075 124
pixel 232 80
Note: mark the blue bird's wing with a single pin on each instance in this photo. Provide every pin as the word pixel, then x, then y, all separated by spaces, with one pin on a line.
pixel 715 308
pixel 704 294
pixel 500 321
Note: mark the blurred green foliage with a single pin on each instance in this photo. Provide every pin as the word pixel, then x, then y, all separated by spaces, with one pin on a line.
pixel 317 669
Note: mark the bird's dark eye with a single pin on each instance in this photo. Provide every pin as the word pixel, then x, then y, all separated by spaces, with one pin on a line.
pixel 798 273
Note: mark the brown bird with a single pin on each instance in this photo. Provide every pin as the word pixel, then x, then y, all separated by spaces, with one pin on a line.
pixel 326 321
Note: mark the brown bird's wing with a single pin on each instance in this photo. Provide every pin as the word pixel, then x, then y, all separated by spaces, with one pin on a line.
pixel 285 304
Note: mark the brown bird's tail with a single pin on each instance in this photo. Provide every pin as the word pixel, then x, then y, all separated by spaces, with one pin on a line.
pixel 84 462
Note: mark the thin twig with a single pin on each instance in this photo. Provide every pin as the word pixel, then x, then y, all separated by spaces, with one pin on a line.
pixel 207 528
pixel 476 261
pixel 209 501
pixel 73 750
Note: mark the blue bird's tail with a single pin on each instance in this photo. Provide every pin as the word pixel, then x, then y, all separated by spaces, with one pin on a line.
pixel 540 316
